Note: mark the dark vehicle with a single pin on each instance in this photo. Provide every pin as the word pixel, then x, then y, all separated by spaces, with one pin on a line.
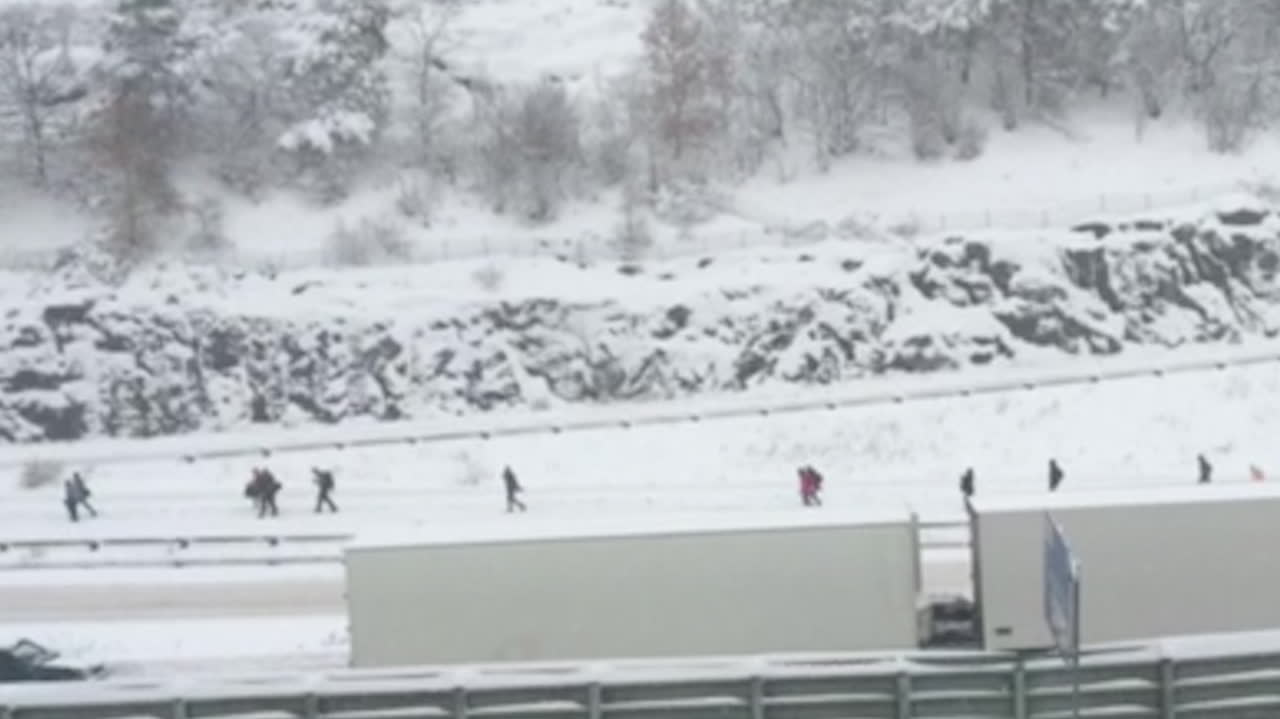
pixel 950 623
pixel 27 661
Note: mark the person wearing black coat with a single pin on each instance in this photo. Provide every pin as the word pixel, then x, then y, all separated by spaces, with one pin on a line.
pixel 1206 469
pixel 268 488
pixel 76 495
pixel 513 489
pixel 324 490
pixel 966 483
pixel 1055 475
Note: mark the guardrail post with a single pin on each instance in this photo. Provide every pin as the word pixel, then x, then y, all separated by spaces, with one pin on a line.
pixel 904 694
pixel 595 702
pixel 460 703
pixel 310 705
pixel 756 697
pixel 1168 682
pixel 1020 688
pixel 178 709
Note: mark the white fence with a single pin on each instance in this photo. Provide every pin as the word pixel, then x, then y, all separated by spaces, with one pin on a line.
pixel 700 242
pixel 482 427
pixel 1137 682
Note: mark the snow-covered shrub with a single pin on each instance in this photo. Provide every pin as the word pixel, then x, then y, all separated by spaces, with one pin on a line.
pixel 39 473
pixel 633 235
pixel 927 142
pixel 208 226
pixel 530 147
pixel 415 199
pixel 489 277
pixel 687 203
pixel 971 139
pixel 1231 110
pixel 368 242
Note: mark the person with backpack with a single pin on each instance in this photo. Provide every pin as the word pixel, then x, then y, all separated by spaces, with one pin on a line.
pixel 810 486
pixel 268 488
pixel 324 489
pixel 513 489
pixel 76 495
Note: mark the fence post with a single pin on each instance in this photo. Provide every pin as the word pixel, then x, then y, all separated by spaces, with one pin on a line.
pixel 757 697
pixel 178 709
pixel 6 711
pixel 310 705
pixel 1167 685
pixel 460 703
pixel 1020 688
pixel 904 694
pixel 594 701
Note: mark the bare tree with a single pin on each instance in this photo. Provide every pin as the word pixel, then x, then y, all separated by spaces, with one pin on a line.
pixel 244 103
pixel 680 70
pixel 130 140
pixel 429 41
pixel 548 135
pixel 34 67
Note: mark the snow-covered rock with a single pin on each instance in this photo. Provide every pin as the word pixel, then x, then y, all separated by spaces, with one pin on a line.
pixel 86 351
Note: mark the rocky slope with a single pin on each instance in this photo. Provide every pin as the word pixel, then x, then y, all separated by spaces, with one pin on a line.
pixel 170 350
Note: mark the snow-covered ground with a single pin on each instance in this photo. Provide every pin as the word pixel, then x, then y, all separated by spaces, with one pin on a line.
pixel 1127 432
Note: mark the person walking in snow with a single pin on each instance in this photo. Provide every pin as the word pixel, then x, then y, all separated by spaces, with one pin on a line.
pixel 268 488
pixel 966 483
pixel 324 489
pixel 1055 475
pixel 71 500
pixel 76 495
pixel 513 489
pixel 810 483
pixel 1206 469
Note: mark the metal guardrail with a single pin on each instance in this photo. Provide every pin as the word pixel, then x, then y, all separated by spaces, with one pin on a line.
pixel 1141 682
pixel 485 428
pixel 276 549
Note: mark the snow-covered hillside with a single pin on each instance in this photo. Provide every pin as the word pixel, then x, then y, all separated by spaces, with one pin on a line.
pixel 300 132
pixel 175 349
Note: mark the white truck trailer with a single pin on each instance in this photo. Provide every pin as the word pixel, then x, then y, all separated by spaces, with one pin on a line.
pixel 1158 562
pixel 653 586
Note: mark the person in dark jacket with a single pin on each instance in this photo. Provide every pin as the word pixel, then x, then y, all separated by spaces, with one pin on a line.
pixel 967 483
pixel 1206 469
pixel 76 495
pixel 324 489
pixel 513 489
pixel 71 500
pixel 268 488
pixel 1055 475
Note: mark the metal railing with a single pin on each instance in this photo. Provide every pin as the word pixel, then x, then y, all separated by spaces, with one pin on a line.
pixel 1139 682
pixel 873 393
pixel 266 550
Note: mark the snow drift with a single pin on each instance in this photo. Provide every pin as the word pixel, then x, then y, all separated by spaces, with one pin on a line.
pixel 172 349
